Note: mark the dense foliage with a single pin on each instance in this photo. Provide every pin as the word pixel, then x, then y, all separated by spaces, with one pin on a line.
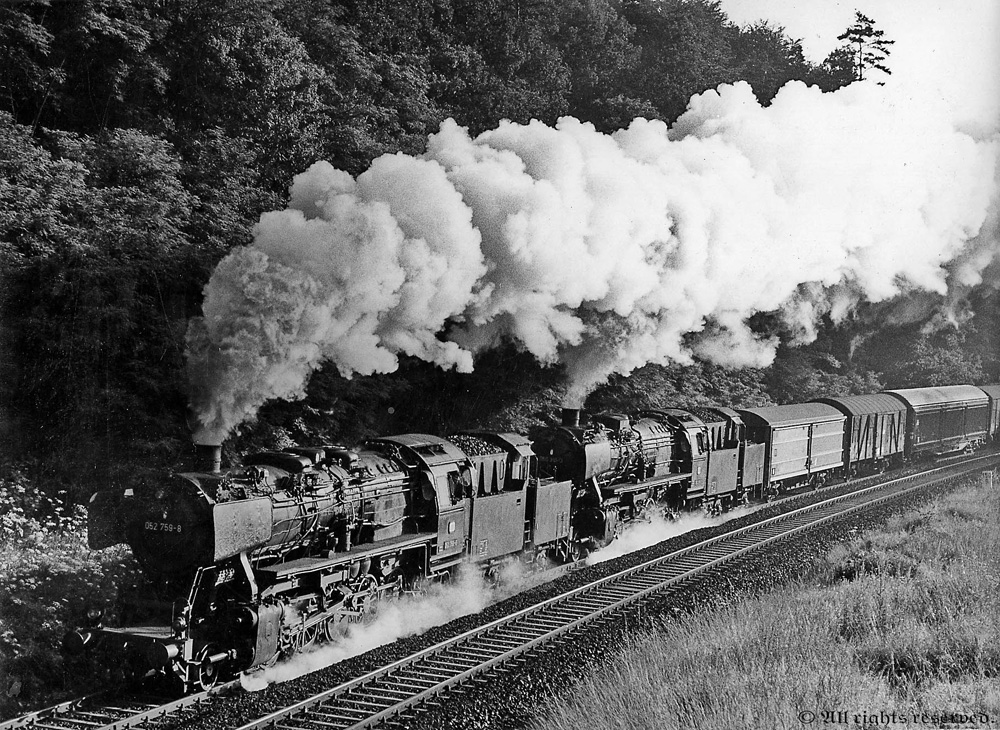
pixel 139 141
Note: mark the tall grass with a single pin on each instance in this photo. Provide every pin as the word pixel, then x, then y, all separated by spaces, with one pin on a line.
pixel 904 619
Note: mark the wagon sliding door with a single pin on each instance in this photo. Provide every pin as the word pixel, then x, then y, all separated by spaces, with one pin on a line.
pixel 826 445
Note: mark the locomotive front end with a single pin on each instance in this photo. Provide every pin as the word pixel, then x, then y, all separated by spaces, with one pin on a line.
pixel 176 523
pixel 247 563
pixel 187 532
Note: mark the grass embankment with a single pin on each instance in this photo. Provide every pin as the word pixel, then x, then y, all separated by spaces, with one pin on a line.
pixel 48 576
pixel 905 619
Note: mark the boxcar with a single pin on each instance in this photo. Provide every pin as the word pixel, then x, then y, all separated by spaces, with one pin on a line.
pixel 993 393
pixel 802 441
pixel 875 432
pixel 948 418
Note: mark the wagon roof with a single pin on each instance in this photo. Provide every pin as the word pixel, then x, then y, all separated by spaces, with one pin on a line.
pixel 793 415
pixel 859 405
pixel 966 395
pixel 993 391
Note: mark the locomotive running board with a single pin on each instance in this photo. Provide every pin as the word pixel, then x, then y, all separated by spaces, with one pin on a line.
pixel 281 571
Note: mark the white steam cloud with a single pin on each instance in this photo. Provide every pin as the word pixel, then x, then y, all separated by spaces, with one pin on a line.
pixel 642 534
pixel 604 252
pixel 468 594
pixel 408 616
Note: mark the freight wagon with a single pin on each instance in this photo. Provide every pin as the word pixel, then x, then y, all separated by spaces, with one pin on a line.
pixel 993 393
pixel 944 419
pixel 802 443
pixel 874 433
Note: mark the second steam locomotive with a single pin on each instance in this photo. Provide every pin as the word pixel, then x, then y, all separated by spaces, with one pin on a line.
pixel 262 560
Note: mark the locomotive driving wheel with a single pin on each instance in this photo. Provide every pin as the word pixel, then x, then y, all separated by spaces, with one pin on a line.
pixel 208 672
pixel 331 629
pixel 619 530
pixel 578 550
pixel 366 596
pixel 308 636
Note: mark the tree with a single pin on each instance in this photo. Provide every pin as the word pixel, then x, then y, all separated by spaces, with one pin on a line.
pixel 518 70
pixel 939 359
pixel 379 73
pixel 768 59
pixel 92 301
pixel 685 49
pixel 25 47
pixel 866 47
pixel 595 42
pixel 836 71
pixel 88 65
pixel 233 67
pixel 803 373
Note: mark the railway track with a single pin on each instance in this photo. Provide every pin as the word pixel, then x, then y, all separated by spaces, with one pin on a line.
pixel 402 687
pixel 399 689
pixel 108 711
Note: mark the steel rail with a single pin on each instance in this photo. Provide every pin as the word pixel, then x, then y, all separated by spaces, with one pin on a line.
pixel 400 687
pixel 108 711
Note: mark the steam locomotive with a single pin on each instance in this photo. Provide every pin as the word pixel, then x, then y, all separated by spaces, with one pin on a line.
pixel 259 561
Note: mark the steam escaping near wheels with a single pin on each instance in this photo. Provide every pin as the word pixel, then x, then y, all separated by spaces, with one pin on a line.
pixel 603 252
pixel 642 534
pixel 397 619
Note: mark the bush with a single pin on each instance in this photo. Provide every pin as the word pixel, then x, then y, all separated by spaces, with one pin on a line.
pixel 49 577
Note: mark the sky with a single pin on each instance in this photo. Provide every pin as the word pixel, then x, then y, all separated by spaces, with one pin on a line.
pixel 945 50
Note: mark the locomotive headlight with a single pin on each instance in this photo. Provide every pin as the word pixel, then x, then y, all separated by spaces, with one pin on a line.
pixel 94 615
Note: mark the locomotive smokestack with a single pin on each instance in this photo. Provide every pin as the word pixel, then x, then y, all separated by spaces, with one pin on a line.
pixel 209 457
pixel 571 417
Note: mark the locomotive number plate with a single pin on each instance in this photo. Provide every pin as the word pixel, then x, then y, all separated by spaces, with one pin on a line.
pixel 162 527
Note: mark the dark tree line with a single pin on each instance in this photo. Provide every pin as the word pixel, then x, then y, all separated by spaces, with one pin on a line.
pixel 140 140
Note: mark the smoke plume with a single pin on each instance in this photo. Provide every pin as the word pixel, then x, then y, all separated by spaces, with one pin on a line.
pixel 603 252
